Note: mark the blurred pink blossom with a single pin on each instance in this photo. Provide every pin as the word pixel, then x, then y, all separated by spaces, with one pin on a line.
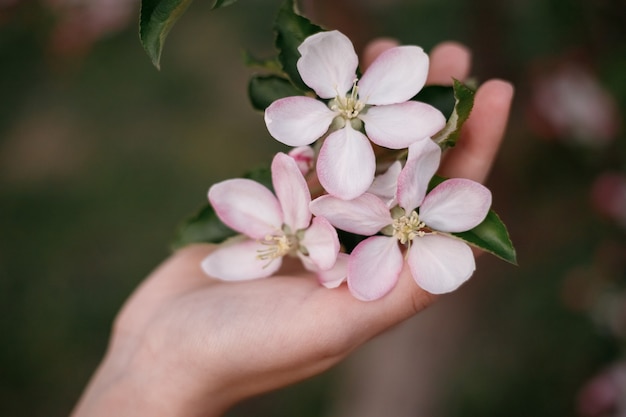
pixel 80 23
pixel 608 196
pixel 569 103
pixel 605 394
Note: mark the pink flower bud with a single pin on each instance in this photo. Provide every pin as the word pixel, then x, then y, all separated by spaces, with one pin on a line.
pixel 304 157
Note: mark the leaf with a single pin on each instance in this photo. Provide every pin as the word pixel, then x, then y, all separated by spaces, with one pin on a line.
pixel 202 227
pixel 491 236
pixel 205 227
pixel 262 175
pixel 265 89
pixel 272 65
pixel 222 3
pixel 291 30
pixel 157 18
pixel 464 102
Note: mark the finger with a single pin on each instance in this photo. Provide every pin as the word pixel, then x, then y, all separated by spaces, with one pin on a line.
pixel 448 60
pixel 362 320
pixel 474 153
pixel 375 48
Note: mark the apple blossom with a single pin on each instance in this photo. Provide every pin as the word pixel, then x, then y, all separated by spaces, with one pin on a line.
pixel 304 157
pixel 379 103
pixel 273 226
pixel 438 262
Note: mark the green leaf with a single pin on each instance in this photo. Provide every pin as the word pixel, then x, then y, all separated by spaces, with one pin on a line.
pixel 202 227
pixel 464 102
pixel 157 18
pixel 262 175
pixel 491 236
pixel 291 30
pixel 272 65
pixel 265 89
pixel 205 227
pixel 222 3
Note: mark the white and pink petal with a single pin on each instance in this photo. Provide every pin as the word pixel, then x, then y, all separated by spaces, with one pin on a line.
pixel 298 120
pixel 328 63
pixel 335 276
pixel 346 163
pixel 374 267
pixel 395 76
pixel 385 185
pixel 246 207
pixel 440 264
pixel 397 126
pixel 424 158
pixel 365 215
pixel 238 261
pixel 321 243
pixel 456 205
pixel 292 192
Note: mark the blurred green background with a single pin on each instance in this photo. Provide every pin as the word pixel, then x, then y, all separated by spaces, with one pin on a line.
pixel 102 156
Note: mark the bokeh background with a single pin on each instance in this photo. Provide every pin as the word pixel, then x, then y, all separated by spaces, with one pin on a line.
pixel 102 156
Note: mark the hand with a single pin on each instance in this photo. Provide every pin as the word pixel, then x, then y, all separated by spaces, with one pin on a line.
pixel 185 344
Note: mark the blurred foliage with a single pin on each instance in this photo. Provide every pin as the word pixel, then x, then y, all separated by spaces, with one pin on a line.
pixel 101 157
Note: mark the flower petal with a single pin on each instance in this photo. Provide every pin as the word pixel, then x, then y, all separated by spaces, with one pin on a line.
pixel 424 158
pixel 332 277
pixel 247 207
pixel 321 243
pixel 364 215
pixel 335 276
pixel 397 126
pixel 298 120
pixel 456 205
pixel 238 262
pixel 328 63
pixel 292 192
pixel 440 264
pixel 346 163
pixel 374 267
pixel 385 185
pixel 395 76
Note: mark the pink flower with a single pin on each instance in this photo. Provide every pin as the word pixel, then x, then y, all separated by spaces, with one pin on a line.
pixel 379 102
pixel 304 157
pixel 274 226
pixel 605 393
pixel 438 261
pixel 570 103
pixel 608 196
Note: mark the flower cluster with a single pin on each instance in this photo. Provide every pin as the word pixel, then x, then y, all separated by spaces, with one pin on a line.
pixel 397 217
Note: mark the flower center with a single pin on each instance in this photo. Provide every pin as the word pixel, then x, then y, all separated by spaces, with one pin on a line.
pixel 348 106
pixel 407 228
pixel 277 247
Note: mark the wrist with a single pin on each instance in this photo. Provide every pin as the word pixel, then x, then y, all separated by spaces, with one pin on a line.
pixel 135 382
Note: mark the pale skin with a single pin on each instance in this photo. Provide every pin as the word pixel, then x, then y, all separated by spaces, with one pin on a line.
pixel 185 344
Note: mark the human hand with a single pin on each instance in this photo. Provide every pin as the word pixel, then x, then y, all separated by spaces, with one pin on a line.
pixel 186 344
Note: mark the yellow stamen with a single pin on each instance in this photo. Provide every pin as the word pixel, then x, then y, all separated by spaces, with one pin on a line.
pixel 407 228
pixel 277 247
